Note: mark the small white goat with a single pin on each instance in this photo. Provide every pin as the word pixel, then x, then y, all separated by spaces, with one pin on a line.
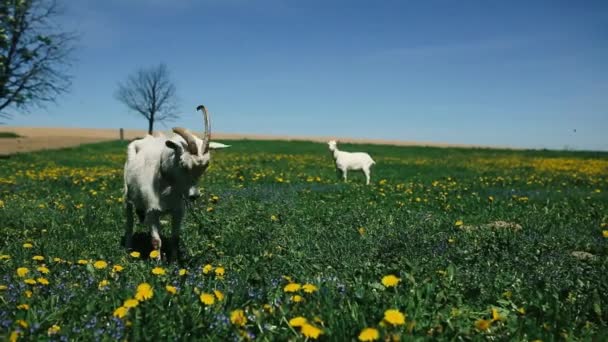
pixel 351 161
pixel 160 174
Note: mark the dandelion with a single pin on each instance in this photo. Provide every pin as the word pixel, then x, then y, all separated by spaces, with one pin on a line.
pixel 482 324
pixel 158 271
pixel 183 272
pixel 38 258
pixel 28 245
pixel 28 293
pixel 237 317
pixel 171 289
pixel 390 280
pixel 207 268
pixel 4 256
pixel 82 262
pixel 309 288
pixel 219 295
pixel 219 272
pixel 30 281
pixel 154 254
pixel 292 287
pixel 207 298
pixel 100 264
pixel 120 312
pixel 495 315
pixel 369 334
pixel 144 292
pixel 130 303
pixel 23 323
pixel 458 223
pixel 297 298
pixel 135 254
pixel 361 231
pixel 23 307
pixel 22 271
pixel 3 287
pixel 310 331
pixel 43 269
pixel 273 218
pixel 521 310
pixel 42 281
pixel 605 233
pixel 394 317
pixel 57 259
pixel 55 329
pixel 297 321
pixel 117 268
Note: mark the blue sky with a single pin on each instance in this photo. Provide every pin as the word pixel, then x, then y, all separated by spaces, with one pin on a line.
pixel 510 73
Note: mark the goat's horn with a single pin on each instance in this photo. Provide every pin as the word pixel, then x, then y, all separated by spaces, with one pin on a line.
pixel 184 133
pixel 207 134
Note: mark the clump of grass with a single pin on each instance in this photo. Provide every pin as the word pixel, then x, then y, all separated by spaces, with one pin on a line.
pixel 9 135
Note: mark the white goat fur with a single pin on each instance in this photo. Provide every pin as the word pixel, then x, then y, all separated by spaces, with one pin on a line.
pixel 351 161
pixel 159 174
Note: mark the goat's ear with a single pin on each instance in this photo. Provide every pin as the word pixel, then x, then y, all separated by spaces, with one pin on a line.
pixel 172 145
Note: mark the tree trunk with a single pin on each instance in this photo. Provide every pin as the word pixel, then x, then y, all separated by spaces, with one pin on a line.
pixel 151 124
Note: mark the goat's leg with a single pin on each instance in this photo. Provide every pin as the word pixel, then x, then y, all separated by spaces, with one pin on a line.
pixel 176 222
pixel 344 174
pixel 367 175
pixel 153 221
pixel 128 237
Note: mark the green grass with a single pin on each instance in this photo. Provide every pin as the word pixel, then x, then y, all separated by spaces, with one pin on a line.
pixel 8 135
pixel 274 212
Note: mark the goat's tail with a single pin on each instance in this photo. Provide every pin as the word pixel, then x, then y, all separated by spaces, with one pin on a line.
pixel 131 150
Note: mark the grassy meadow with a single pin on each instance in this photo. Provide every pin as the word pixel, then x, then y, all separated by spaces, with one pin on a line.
pixel 467 244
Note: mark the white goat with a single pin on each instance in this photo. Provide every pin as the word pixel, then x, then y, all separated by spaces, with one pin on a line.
pixel 351 161
pixel 160 173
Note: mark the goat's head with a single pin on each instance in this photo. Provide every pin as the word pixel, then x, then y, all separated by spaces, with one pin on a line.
pixel 332 145
pixel 188 156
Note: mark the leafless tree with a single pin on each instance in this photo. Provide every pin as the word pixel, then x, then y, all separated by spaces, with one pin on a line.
pixel 150 93
pixel 34 55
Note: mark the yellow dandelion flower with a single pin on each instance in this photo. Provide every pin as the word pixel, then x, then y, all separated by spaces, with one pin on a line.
pixel 42 281
pixel 274 218
pixel 4 256
pixel 495 315
pixel 135 254
pixel 292 287
pixel 3 287
pixel 237 317
pixel 117 268
pixel 158 271
pixel 55 329
pixel 83 262
pixel 28 293
pixel 605 233
pixel 297 321
pixel 207 268
pixel 38 258
pixel 297 298
pixel 361 231
pixel 144 292
pixel 394 317
pixel 309 288
pixel 43 269
pixel 219 295
pixel 483 324
pixel 219 272
pixel 14 337
pixel 183 272
pixel 369 334
pixel 171 289
pixel 154 254
pixel 100 264
pixel 120 312
pixel 102 284
pixel 23 323
pixel 268 308
pixel 130 303
pixel 458 223
pixel 28 245
pixel 57 259
pixel 23 307
pixel 207 298
pixel 22 271
pixel 390 280
pixel 310 331
pixel 521 310
pixel 30 281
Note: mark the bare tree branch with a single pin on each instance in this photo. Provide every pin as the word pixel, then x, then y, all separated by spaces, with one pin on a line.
pixel 34 55
pixel 150 93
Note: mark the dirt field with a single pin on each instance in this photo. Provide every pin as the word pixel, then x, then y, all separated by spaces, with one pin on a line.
pixel 42 138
